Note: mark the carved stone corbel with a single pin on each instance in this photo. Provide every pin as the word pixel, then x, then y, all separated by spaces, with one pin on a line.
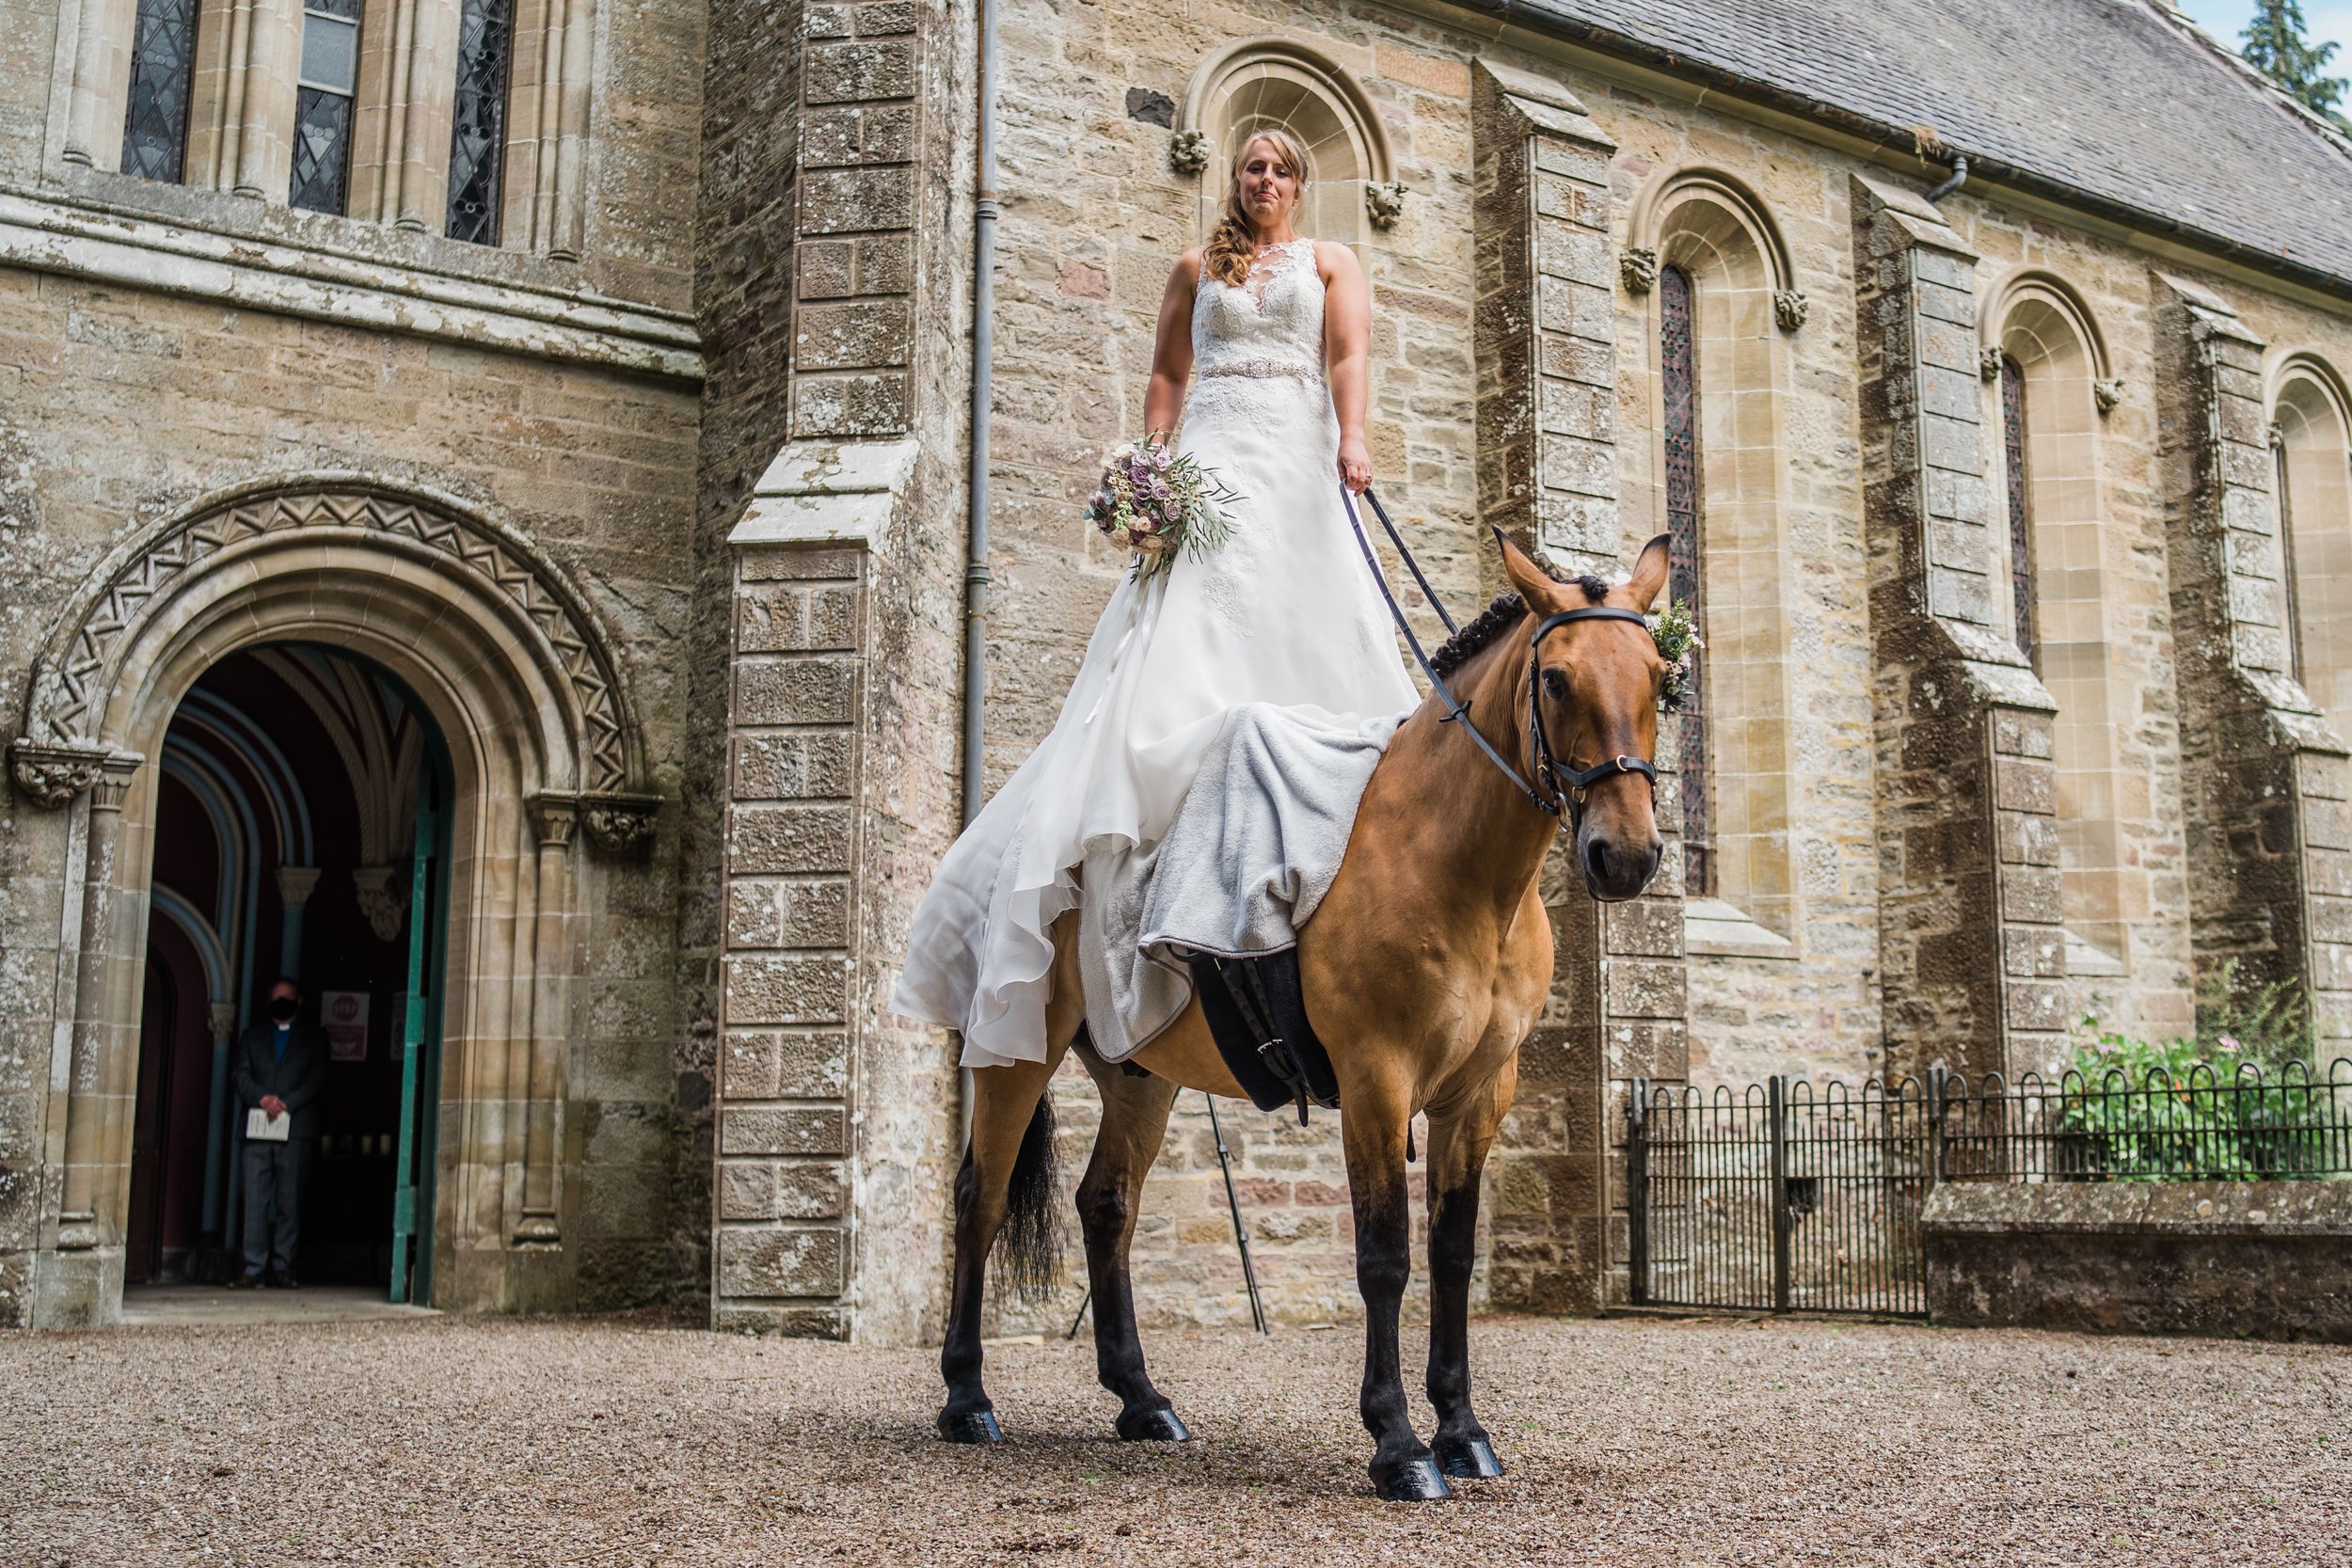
pixel 1188 151
pixel 1637 269
pixel 52 775
pixel 555 813
pixel 1385 202
pixel 1989 363
pixel 2107 393
pixel 618 822
pixel 1790 308
pixel 382 892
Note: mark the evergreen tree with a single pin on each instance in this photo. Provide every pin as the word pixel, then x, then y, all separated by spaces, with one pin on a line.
pixel 2275 45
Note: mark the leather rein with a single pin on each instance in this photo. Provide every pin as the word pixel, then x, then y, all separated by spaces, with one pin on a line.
pixel 1568 782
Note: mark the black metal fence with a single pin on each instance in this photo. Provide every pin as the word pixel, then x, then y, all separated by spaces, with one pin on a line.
pixel 1780 1197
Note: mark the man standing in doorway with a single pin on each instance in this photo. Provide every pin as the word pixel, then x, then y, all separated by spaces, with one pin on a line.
pixel 281 1066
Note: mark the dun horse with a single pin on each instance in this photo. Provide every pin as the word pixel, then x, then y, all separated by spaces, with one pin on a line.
pixel 1423 969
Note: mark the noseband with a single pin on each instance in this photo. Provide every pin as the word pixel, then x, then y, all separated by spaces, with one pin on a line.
pixel 1567 783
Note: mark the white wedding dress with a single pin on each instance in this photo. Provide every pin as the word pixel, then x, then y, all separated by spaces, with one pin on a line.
pixel 1286 613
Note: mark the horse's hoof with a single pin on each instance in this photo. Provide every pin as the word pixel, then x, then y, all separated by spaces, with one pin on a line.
pixel 972 1426
pixel 1470 1460
pixel 1416 1481
pixel 1158 1425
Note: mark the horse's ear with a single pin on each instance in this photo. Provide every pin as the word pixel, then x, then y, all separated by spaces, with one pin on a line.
pixel 1534 585
pixel 1649 573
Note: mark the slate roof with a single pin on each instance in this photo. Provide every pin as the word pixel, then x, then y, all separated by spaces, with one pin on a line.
pixel 2103 101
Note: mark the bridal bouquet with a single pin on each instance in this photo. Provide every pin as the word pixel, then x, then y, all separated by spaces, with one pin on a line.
pixel 1159 505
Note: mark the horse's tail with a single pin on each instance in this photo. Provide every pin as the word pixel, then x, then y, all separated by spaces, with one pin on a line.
pixel 1029 1253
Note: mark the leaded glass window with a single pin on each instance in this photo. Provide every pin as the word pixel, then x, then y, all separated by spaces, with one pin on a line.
pixel 2286 541
pixel 477 140
pixel 323 103
pixel 1678 361
pixel 163 67
pixel 2020 521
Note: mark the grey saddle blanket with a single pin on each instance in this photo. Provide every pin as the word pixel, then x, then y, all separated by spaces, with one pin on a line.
pixel 1252 851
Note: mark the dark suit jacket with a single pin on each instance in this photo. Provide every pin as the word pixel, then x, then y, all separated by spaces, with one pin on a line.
pixel 296 1078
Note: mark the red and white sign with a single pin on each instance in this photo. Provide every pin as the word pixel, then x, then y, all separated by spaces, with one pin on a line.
pixel 345 1016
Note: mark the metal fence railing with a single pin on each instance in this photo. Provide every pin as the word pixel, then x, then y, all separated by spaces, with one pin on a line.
pixel 1781 1197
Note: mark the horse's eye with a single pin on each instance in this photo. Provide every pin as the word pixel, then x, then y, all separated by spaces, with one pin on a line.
pixel 1556 685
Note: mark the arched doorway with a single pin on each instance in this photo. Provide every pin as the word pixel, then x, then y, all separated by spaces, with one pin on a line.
pixel 300 833
pixel 498 650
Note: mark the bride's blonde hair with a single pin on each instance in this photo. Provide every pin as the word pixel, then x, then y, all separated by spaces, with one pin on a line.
pixel 1234 242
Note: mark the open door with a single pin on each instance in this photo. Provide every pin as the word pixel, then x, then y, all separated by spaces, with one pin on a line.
pixel 421 1046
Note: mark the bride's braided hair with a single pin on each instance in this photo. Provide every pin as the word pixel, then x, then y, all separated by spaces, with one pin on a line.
pixel 1232 245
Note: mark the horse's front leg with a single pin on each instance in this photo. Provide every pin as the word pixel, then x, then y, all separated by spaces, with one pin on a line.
pixel 1374 1129
pixel 1459 1138
pixel 1005 1101
pixel 1134 1120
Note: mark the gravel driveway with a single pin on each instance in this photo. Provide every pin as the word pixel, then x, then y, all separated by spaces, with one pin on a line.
pixel 1635 1441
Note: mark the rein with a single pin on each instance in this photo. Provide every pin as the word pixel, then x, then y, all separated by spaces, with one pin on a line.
pixel 1568 784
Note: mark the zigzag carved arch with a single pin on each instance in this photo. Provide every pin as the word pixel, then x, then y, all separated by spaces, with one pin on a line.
pixel 72 679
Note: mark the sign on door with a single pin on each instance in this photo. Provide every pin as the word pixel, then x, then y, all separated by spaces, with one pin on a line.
pixel 345 1016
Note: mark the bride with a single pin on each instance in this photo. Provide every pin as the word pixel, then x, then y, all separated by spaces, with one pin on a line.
pixel 1273 331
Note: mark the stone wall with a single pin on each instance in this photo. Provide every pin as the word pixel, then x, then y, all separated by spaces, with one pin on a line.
pixel 2259 1259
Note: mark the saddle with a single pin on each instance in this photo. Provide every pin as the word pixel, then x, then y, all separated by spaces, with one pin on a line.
pixel 1257 1013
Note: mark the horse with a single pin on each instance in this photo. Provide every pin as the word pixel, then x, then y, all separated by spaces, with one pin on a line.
pixel 1423 968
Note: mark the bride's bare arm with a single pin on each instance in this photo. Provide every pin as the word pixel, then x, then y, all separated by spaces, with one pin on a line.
pixel 1171 348
pixel 1347 356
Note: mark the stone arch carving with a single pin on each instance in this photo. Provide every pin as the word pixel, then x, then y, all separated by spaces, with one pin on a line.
pixel 1687 213
pixel 70 712
pixel 498 645
pixel 2039 322
pixel 1277 81
pixel 2310 438
pixel 1711 228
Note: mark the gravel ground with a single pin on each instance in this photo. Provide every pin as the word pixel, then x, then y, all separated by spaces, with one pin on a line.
pixel 638 1441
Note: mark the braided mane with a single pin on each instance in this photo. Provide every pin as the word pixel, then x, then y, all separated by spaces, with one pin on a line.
pixel 1496 619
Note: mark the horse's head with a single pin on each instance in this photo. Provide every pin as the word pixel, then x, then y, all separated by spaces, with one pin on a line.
pixel 1595 690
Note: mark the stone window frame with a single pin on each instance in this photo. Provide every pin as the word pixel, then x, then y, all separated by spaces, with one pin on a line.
pixel 2310 405
pixel 1275 79
pixel 242 114
pixel 2039 322
pixel 1710 225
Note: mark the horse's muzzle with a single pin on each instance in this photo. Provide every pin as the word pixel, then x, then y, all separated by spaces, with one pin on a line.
pixel 1613 869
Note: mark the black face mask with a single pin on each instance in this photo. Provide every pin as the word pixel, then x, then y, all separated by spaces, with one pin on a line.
pixel 283 1008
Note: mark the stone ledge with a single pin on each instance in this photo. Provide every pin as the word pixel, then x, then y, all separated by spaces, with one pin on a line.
pixel 295 280
pixel 1713 927
pixel 827 493
pixel 2146 1207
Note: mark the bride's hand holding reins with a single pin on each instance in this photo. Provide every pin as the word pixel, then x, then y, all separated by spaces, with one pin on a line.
pixel 1355 463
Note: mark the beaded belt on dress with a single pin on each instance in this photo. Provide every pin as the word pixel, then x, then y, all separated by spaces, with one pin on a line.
pixel 1264 369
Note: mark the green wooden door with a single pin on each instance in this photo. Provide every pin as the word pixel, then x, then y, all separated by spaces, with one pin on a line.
pixel 421 1054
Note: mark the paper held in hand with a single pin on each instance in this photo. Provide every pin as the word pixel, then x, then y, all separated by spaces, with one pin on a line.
pixel 268 1128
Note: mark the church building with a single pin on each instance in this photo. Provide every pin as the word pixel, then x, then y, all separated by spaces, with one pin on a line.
pixel 489 495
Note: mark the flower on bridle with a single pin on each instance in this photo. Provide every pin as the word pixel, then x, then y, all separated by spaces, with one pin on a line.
pixel 1675 632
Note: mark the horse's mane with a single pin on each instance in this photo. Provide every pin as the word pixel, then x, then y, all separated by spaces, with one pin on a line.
pixel 1496 619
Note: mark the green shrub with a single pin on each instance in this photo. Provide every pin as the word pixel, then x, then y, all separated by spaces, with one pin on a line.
pixel 2223 1105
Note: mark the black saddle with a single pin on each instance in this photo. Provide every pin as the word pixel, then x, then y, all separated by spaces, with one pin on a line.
pixel 1257 1013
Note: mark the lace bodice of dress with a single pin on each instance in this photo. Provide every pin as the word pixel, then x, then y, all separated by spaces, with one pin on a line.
pixel 1270 326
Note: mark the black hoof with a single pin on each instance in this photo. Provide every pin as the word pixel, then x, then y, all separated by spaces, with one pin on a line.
pixel 1152 1426
pixel 972 1426
pixel 1416 1481
pixel 1471 1460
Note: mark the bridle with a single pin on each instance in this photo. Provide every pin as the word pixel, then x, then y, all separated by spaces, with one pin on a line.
pixel 1567 783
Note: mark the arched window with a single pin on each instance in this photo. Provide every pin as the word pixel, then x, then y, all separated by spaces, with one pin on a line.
pixel 324 96
pixel 1720 469
pixel 2062 594
pixel 1678 371
pixel 2019 508
pixel 163 70
pixel 1264 82
pixel 477 142
pixel 2313 451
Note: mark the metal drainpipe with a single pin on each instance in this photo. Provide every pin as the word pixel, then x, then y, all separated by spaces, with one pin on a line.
pixel 1960 178
pixel 976 548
